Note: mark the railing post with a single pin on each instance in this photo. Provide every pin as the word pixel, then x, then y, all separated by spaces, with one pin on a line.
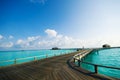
pixel 15 62
pixel 46 55
pixel 34 58
pixel 96 68
pixel 79 63
pixel 74 60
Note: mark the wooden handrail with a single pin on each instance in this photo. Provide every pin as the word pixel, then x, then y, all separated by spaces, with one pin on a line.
pixel 21 59
pixel 7 61
pixel 101 65
pixel 34 58
pixel 95 65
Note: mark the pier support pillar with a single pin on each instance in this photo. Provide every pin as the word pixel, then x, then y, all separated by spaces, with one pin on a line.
pixel 96 69
pixel 79 63
pixel 46 55
pixel 15 61
pixel 34 59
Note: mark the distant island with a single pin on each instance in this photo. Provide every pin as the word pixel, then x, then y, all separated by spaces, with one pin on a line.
pixel 55 48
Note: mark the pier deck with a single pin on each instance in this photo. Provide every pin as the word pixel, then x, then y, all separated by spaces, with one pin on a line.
pixel 55 68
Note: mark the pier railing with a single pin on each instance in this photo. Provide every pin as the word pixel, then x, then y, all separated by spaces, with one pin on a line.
pixel 78 58
pixel 28 59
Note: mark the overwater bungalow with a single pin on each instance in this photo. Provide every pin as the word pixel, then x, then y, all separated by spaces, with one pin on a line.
pixel 106 46
pixel 55 48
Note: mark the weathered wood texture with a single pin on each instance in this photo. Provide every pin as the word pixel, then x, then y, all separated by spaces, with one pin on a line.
pixel 55 68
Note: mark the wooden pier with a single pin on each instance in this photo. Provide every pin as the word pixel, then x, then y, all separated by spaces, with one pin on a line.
pixel 55 68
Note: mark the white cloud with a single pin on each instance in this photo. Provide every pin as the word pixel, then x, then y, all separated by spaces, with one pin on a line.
pixel 10 44
pixel 51 33
pixel 11 37
pixel 48 42
pixel 1 37
pixel 33 38
pixel 28 43
pixel 57 40
pixel 20 41
pixel 62 42
pixel 6 45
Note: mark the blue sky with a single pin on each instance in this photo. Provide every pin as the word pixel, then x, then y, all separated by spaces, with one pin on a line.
pixel 40 24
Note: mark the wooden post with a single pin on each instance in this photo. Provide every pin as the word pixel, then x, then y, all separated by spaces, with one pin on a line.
pixel 96 69
pixel 46 55
pixel 15 62
pixel 79 63
pixel 74 60
pixel 34 58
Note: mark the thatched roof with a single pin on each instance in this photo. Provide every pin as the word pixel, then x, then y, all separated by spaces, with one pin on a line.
pixel 55 48
pixel 106 46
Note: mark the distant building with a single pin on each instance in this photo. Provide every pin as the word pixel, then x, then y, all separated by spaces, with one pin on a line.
pixel 79 49
pixel 106 46
pixel 55 48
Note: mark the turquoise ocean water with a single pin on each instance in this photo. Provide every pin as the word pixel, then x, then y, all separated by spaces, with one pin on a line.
pixel 28 55
pixel 107 57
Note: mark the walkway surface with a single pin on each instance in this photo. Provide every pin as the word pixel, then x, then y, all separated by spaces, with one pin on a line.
pixel 55 68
